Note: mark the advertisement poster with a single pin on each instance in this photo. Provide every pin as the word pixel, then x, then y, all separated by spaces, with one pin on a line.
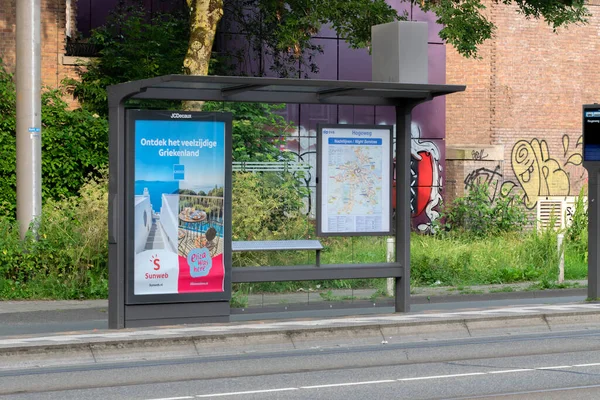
pixel 354 180
pixel 179 205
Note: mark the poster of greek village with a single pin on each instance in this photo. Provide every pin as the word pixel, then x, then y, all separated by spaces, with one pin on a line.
pixel 355 180
pixel 179 204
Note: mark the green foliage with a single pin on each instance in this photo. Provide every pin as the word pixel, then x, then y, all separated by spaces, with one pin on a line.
pixel 283 29
pixel 257 130
pixel 238 300
pixel 8 128
pixel 509 258
pixel 68 259
pixel 464 27
pixel 267 206
pixel 577 231
pixel 133 47
pixel 74 144
pixel 477 215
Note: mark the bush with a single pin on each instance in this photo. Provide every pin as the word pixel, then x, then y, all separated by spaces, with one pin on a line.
pixel 132 47
pixel 267 206
pixel 577 231
pixel 69 258
pixel 8 128
pixel 476 214
pixel 74 145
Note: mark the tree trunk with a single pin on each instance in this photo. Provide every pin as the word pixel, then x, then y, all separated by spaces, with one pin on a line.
pixel 204 17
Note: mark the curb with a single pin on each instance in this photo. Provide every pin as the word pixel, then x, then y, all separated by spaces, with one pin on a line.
pixel 287 334
pixel 533 294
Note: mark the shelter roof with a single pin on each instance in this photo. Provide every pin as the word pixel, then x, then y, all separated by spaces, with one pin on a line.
pixel 277 90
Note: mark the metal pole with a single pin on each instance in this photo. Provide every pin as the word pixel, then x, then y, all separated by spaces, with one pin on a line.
pixel 116 206
pixel 29 115
pixel 403 143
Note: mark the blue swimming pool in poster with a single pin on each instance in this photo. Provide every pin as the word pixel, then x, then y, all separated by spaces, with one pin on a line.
pixel 179 205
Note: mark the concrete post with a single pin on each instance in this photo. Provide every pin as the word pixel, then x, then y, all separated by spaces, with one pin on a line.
pixel 561 258
pixel 391 243
pixel 29 115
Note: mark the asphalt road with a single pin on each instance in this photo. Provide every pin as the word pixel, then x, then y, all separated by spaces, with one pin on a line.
pixel 526 366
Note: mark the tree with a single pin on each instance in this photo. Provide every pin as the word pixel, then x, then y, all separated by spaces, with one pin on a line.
pixel 286 26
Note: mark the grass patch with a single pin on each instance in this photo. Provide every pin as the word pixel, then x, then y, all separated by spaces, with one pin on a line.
pixel 544 285
pixel 451 260
pixel 330 296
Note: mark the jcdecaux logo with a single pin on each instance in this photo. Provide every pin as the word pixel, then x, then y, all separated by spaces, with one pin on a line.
pixel 181 116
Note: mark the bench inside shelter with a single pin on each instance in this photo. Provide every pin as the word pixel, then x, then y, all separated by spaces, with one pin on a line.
pixel 279 245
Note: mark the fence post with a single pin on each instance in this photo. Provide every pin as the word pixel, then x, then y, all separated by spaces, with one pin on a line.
pixel 561 258
pixel 391 244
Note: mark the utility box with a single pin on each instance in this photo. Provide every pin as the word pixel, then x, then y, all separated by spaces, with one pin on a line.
pixel 399 52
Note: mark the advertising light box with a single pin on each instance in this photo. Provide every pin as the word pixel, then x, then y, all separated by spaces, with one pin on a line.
pixel 591 133
pixel 181 206
pixel 354 180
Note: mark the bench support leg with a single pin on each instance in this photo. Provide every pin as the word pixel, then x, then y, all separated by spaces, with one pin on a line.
pixel 318 259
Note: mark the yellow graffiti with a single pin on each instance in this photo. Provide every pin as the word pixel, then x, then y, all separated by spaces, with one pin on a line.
pixel 575 158
pixel 538 174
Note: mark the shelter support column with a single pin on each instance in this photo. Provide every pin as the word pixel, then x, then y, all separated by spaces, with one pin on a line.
pixel 403 144
pixel 593 232
pixel 116 205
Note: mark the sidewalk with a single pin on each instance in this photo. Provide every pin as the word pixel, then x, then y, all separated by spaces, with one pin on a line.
pixel 218 340
pixel 45 332
pixel 420 295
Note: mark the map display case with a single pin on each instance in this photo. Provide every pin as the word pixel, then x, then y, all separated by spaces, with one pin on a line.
pixel 354 180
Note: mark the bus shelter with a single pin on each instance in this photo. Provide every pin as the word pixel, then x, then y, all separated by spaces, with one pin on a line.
pixel 127 309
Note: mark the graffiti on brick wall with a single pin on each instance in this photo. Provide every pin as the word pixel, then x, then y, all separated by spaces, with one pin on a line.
pixel 493 178
pixel 426 180
pixel 539 173
pixel 575 156
pixel 479 155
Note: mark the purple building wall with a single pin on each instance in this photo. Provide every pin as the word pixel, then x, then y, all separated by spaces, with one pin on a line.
pixel 339 62
pixel 93 13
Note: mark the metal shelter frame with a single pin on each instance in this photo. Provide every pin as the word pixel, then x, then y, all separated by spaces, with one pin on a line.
pixel 404 97
pixel 592 165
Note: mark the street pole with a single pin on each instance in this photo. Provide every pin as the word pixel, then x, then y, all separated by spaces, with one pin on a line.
pixel 29 115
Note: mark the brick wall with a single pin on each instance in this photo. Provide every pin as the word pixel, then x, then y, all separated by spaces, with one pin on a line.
pixel 7 31
pixel 526 93
pixel 53 18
